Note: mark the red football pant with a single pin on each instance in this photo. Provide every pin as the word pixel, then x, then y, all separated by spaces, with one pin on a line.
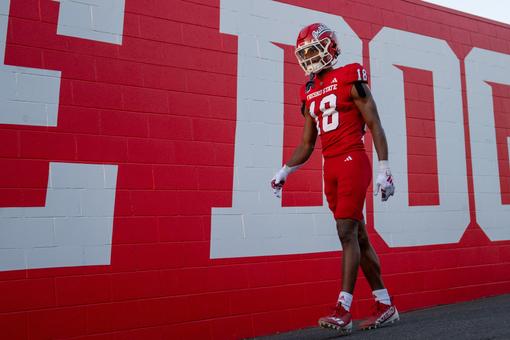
pixel 346 179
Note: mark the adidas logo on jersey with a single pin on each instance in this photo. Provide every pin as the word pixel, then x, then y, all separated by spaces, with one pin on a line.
pixel 347 159
pixel 333 81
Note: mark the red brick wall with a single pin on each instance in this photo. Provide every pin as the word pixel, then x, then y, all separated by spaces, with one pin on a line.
pixel 162 106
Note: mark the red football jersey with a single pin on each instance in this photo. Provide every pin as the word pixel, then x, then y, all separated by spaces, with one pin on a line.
pixel 339 122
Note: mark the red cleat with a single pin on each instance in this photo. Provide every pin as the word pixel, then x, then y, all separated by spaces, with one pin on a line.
pixel 340 320
pixel 383 315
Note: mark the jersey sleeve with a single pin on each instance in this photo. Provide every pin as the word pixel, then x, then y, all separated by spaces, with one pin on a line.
pixel 355 72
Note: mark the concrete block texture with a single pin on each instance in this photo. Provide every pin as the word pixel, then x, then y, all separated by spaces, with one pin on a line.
pixel 138 140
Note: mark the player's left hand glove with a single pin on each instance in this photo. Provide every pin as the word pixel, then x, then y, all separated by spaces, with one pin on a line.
pixel 384 181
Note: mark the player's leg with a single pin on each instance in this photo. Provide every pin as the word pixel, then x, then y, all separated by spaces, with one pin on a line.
pixel 385 312
pixel 369 260
pixel 341 319
pixel 348 234
pixel 354 178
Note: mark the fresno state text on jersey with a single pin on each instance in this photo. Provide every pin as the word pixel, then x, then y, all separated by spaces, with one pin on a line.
pixel 339 122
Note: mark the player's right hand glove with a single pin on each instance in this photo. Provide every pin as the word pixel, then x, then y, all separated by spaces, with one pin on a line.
pixel 281 176
pixel 384 181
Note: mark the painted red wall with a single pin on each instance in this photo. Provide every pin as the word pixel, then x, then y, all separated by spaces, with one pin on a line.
pixel 162 106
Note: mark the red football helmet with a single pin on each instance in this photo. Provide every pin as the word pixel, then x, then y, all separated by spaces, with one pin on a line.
pixel 316 48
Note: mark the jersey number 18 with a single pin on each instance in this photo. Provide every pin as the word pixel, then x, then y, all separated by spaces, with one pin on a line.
pixel 330 119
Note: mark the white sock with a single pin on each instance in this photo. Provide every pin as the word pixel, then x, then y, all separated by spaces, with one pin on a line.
pixel 382 296
pixel 345 299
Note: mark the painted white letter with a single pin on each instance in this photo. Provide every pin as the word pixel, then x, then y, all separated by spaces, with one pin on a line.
pixel 257 224
pixel 74 228
pixel 398 223
pixel 482 66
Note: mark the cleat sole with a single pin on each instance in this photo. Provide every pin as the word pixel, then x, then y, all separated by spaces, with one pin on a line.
pixel 394 318
pixel 380 325
pixel 340 330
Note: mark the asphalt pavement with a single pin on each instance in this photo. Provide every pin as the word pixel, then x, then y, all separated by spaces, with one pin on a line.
pixel 487 318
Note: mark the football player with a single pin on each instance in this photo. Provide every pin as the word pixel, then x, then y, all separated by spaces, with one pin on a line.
pixel 337 105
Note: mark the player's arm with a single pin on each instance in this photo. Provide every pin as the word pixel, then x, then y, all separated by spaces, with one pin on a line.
pixel 301 154
pixel 363 99
pixel 366 104
pixel 304 150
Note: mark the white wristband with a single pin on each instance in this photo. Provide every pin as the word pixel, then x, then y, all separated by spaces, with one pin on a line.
pixel 384 165
pixel 290 169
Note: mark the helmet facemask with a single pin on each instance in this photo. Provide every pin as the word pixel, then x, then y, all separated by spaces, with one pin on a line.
pixel 314 56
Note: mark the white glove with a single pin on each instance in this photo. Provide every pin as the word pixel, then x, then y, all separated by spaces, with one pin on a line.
pixel 384 181
pixel 281 176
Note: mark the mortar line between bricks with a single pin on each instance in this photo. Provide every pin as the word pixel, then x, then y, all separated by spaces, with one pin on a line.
pixel 135 300
pixel 118 58
pixel 264 287
pixel 144 87
pixel 134 62
pixel 241 314
pixel 118 47
pixel 292 284
pixel 42 20
pixel 450 11
pixel 55 131
pixel 200 3
pixel 174 20
pixel 162 297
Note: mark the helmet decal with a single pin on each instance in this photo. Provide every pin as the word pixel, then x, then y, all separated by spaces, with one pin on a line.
pixel 321 29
